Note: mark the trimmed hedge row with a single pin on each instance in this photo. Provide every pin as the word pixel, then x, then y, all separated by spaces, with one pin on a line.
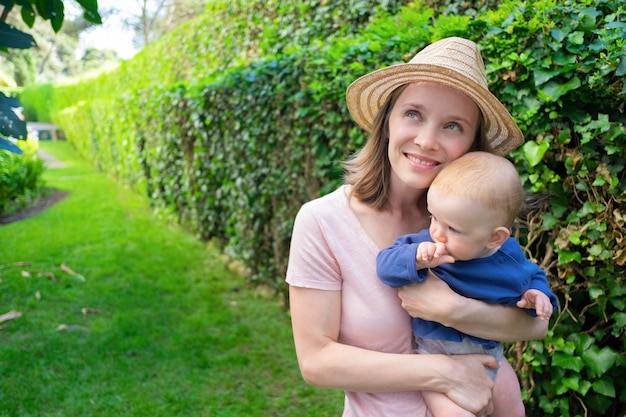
pixel 232 148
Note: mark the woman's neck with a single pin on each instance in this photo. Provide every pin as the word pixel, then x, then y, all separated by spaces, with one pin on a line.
pixel 403 216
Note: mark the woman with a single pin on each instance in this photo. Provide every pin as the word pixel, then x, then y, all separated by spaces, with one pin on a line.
pixel 353 333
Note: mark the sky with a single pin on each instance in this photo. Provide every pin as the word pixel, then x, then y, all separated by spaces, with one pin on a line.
pixel 111 34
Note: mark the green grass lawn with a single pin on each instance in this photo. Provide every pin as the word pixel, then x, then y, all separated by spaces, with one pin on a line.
pixel 154 323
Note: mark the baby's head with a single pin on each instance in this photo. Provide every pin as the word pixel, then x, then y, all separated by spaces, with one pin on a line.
pixel 487 179
pixel 474 201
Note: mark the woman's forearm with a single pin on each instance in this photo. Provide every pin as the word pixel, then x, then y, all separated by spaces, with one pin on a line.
pixel 325 362
pixel 434 300
pixel 495 322
pixel 461 377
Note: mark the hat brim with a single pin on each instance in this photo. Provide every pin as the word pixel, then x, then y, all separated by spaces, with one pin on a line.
pixel 367 94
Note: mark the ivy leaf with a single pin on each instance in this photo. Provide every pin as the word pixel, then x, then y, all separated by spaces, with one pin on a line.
pixel 566 256
pixel 558 34
pixel 568 383
pixel 548 221
pixel 599 360
pixel 620 320
pixel 553 90
pixel 604 387
pixel 534 152
pixel 561 360
pixel 577 38
pixel 595 293
pixel 587 18
pixel 583 387
pixel 542 76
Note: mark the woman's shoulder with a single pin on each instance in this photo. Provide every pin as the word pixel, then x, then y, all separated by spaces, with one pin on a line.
pixel 331 202
pixel 330 213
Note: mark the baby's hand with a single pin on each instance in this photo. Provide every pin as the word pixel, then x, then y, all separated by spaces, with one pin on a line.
pixel 431 254
pixel 537 300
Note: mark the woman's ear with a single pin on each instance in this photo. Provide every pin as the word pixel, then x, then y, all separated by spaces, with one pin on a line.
pixel 498 237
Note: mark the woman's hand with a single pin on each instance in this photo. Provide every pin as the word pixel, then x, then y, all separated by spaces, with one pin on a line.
pixel 468 384
pixel 430 300
pixel 434 300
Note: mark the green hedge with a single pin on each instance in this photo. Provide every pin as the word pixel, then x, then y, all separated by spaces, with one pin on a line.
pixel 236 129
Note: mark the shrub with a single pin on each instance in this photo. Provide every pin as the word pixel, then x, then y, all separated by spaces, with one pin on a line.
pixel 20 177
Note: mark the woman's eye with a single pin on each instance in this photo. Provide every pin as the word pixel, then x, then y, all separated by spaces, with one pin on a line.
pixel 453 126
pixel 412 114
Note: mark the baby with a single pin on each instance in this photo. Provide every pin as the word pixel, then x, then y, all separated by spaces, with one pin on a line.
pixel 473 203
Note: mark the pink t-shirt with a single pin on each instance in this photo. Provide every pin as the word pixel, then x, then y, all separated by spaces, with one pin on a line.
pixel 330 250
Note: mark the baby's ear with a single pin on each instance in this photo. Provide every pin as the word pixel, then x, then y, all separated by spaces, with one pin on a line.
pixel 498 237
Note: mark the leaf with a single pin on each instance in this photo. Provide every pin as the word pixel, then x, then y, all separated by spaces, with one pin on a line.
pixel 587 18
pixel 552 91
pixel 10 315
pixel 566 256
pixel 67 270
pixel 72 328
pixel 10 37
pixel 595 293
pixel 9 146
pixel 568 383
pixel 534 152
pixel 564 361
pixel 599 360
pixel 28 14
pixel 51 276
pixel 90 9
pixel 620 320
pixel 10 123
pixel 558 34
pixel 56 19
pixel 577 38
pixel 604 387
pixel 542 76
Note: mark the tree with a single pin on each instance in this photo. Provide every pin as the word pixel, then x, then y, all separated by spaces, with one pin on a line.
pixel 155 18
pixel 11 124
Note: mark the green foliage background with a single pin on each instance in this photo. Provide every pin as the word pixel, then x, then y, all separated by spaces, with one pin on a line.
pixel 238 117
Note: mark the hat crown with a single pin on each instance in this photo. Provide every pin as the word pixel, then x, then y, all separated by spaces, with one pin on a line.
pixel 456 54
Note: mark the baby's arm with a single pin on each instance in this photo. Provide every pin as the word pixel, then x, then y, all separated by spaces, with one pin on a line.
pixel 431 254
pixel 538 301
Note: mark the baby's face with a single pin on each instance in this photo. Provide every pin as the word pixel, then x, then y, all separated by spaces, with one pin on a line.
pixel 462 225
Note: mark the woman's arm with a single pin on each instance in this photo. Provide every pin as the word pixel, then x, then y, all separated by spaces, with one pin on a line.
pixel 434 300
pixel 324 362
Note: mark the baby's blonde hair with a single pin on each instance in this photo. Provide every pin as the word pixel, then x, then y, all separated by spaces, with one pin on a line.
pixel 487 179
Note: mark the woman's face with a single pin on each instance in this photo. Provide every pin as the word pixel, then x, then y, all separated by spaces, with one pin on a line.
pixel 429 126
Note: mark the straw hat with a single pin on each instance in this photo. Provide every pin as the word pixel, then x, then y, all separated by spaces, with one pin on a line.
pixel 452 62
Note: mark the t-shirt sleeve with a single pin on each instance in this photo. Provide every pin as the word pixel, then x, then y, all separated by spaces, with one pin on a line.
pixel 311 260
